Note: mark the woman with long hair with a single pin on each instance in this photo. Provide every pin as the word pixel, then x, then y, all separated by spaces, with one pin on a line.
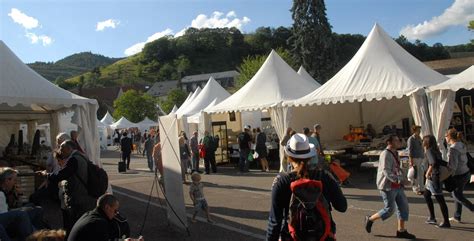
pixel 299 152
pixel 433 182
pixel 261 149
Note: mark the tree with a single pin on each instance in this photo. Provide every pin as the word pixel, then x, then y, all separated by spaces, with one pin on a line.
pixel 313 43
pixel 470 27
pixel 135 106
pixel 252 64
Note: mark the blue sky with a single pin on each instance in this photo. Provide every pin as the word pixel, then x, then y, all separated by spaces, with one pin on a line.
pixel 48 30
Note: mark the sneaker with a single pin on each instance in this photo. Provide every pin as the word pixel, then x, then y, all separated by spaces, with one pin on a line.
pixel 431 221
pixel 453 219
pixel 405 234
pixel 368 224
pixel 443 225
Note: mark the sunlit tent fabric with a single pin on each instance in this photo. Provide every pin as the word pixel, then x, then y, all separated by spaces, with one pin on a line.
pixel 188 101
pixel 107 119
pixel 442 99
pixel 175 108
pixel 123 123
pixel 381 70
pixel 302 71
pixel 273 83
pixel 27 97
pixel 195 118
pixel 211 91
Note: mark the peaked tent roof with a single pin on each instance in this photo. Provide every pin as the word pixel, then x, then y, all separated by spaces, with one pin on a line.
pixel 188 100
pixel 107 119
pixel 379 69
pixel 212 91
pixel 175 108
pixel 147 123
pixel 123 123
pixel 19 84
pixel 273 83
pixel 196 117
pixel 302 71
pixel 464 80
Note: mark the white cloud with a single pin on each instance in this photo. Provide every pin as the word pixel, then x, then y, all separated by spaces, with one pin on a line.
pixel 45 40
pixel 24 20
pixel 136 48
pixel 459 13
pixel 216 20
pixel 109 23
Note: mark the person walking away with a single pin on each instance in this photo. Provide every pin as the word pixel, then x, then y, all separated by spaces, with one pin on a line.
pixel 126 146
pixel 194 144
pixel 244 141
pixel 299 152
pixel 261 149
pixel 157 158
pixel 214 145
pixel 390 182
pixel 457 161
pixel 137 140
pixel 197 196
pixel 208 146
pixel 283 142
pixel 416 160
pixel 317 134
pixel 433 182
pixel 148 149
pixel 313 163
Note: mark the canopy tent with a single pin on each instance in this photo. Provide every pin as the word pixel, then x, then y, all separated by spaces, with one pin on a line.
pixel 302 71
pixel 147 123
pixel 188 101
pixel 123 123
pixel 380 70
pixel 442 99
pixel 107 119
pixel 195 118
pixel 211 91
pixel 25 96
pixel 176 108
pixel 273 83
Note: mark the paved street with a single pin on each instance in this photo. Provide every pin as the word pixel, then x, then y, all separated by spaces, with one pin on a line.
pixel 239 204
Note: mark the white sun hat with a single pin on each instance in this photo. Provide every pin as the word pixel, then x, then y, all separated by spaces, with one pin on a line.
pixel 299 147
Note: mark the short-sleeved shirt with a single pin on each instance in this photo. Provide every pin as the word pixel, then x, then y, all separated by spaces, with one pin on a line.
pixel 197 190
pixel 244 140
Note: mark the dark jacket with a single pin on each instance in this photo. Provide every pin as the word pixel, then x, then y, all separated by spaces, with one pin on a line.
pixel 75 192
pixel 93 225
pixel 126 145
pixel 281 194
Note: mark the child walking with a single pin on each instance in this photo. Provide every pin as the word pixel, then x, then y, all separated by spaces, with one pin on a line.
pixel 197 196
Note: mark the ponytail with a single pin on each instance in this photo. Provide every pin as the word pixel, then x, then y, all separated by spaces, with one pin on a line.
pixel 302 167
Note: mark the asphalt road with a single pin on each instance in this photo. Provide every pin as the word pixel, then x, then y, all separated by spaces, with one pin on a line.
pixel 239 204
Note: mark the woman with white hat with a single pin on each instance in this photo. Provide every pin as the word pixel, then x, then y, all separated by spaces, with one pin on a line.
pixel 299 152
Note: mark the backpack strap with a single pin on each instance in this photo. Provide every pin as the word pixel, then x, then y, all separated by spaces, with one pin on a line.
pixel 78 157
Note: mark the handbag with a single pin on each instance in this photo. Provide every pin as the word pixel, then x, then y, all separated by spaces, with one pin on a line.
pixel 449 184
pixel 255 155
pixel 250 157
pixel 444 173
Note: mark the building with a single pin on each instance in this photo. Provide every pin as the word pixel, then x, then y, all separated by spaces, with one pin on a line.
pixel 161 89
pixel 226 79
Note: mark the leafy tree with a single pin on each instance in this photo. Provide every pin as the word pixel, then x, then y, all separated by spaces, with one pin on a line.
pixel 313 42
pixel 470 27
pixel 252 64
pixel 135 106
pixel 175 97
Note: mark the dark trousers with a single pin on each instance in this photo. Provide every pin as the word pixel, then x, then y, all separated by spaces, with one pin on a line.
pixel 126 156
pixel 458 195
pixel 442 205
pixel 210 162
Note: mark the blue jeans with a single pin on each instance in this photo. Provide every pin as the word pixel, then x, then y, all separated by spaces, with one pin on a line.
pixel 459 199
pixel 149 158
pixel 244 153
pixel 17 222
pixel 391 199
pixel 195 161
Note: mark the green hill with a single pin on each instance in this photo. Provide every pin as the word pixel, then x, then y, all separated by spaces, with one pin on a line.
pixel 70 66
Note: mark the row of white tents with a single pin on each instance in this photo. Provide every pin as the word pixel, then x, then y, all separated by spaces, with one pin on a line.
pixel 124 123
pixel 382 84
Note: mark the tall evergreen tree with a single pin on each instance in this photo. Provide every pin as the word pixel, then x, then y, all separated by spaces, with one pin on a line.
pixel 313 43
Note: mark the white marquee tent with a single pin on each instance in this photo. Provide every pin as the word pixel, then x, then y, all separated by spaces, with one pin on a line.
pixel 27 97
pixel 146 123
pixel 188 101
pixel 442 98
pixel 302 71
pixel 107 119
pixel 176 108
pixel 123 123
pixel 196 117
pixel 380 70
